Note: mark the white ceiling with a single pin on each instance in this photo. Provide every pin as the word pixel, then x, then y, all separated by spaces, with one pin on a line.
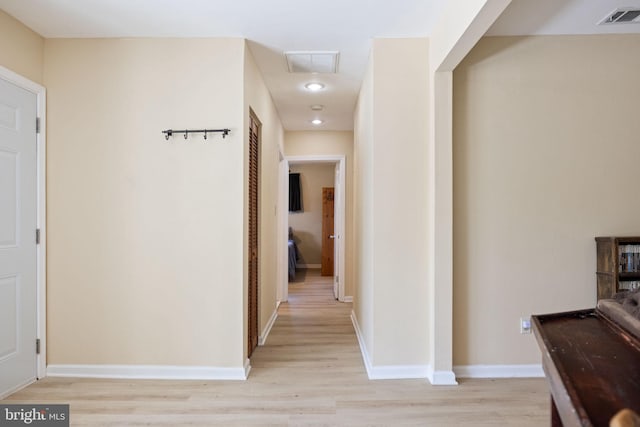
pixel 275 26
pixel 561 17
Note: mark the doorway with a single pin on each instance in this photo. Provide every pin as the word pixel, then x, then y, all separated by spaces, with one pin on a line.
pixel 338 162
pixel 22 309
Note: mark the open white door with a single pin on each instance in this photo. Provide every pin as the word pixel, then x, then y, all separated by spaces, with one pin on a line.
pixel 337 210
pixel 18 222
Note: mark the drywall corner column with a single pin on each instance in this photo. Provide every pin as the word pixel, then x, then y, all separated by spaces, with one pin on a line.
pixel 451 41
pixel 400 203
pixel 363 183
pixel 441 229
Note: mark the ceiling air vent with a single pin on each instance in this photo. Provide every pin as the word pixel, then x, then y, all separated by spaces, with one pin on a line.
pixel 312 61
pixel 622 16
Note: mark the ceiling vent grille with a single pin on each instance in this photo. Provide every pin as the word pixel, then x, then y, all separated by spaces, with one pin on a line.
pixel 312 61
pixel 622 16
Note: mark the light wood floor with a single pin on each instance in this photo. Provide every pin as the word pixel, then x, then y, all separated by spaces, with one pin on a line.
pixel 309 373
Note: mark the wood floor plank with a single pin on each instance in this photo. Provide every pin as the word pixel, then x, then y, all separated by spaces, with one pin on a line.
pixel 309 373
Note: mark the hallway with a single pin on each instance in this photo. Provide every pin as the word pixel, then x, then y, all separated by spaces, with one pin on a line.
pixel 310 372
pixel 313 335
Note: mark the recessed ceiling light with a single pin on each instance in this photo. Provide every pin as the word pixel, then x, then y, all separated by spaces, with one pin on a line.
pixel 317 107
pixel 317 122
pixel 314 87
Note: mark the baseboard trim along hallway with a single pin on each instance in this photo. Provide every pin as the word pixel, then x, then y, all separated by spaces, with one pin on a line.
pixel 157 372
pixel 262 339
pixel 387 372
pixel 499 371
pixel 310 372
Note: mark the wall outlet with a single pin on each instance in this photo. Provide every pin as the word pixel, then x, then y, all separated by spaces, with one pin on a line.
pixel 525 325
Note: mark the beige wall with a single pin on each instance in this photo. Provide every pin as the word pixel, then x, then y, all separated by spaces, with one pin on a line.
pixel 258 99
pixel 391 177
pixel 545 143
pixel 332 143
pixel 21 50
pixel 307 225
pixel 145 263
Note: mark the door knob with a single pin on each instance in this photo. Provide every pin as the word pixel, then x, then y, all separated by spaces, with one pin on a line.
pixel 332 236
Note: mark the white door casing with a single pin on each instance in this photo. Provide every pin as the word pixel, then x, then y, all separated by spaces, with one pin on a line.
pixel 339 213
pixel 21 260
pixel 283 229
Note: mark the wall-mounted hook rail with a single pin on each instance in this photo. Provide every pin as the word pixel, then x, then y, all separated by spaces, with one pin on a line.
pixel 169 132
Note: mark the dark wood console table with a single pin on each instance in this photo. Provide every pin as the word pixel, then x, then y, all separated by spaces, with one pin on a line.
pixel 592 365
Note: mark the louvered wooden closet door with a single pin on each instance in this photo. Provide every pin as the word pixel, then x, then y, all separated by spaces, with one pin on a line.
pixel 253 235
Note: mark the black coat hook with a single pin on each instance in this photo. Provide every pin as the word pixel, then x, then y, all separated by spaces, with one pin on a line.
pixel 169 132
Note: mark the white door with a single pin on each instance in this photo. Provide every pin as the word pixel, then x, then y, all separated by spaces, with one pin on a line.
pixel 18 203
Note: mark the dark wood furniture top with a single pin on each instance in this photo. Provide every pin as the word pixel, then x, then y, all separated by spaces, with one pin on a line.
pixel 592 365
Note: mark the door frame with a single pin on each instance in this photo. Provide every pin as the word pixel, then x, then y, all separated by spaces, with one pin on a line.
pixel 282 228
pixel 339 219
pixel 41 214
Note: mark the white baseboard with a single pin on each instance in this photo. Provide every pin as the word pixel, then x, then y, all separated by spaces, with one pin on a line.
pixel 499 371
pixel 308 265
pixel 363 348
pixel 386 372
pixel 262 339
pixel 347 299
pixel 441 377
pixel 160 372
pixel 398 372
